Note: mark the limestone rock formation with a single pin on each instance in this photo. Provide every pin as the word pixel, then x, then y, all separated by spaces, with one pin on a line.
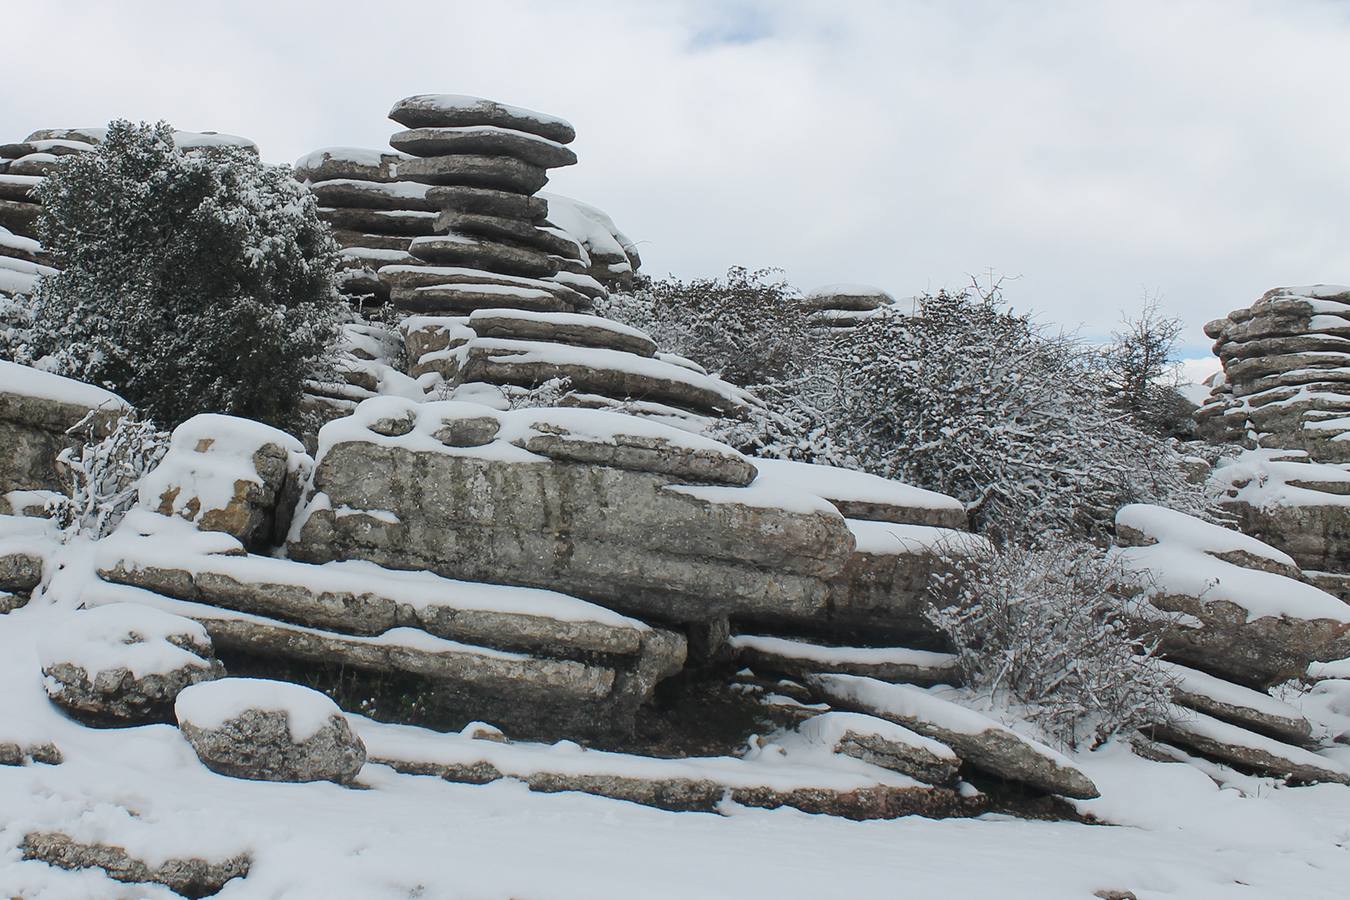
pixel 124 664
pixel 835 308
pixel 191 877
pixel 269 731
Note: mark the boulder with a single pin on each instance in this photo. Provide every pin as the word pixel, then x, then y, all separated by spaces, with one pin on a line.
pixel 191 877
pixel 486 140
pixel 232 475
pixel 269 731
pixel 457 110
pixel 638 541
pixel 44 753
pixel 978 740
pixel 349 162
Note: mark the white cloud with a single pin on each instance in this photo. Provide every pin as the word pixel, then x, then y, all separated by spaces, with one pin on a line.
pixel 1194 150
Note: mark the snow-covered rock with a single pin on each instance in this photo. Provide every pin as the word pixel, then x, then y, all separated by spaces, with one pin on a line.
pixel 269 731
pixel 124 663
pixel 232 475
pixel 883 743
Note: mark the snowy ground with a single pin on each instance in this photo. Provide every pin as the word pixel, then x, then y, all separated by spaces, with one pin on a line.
pixel 1175 834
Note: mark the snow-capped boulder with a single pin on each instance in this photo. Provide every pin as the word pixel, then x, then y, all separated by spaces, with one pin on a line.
pixel 615 525
pixel 232 475
pixel 269 731
pixel 124 663
pixel 461 110
pixel 1254 626
pixel 977 739
pixel 1238 746
pixel 38 410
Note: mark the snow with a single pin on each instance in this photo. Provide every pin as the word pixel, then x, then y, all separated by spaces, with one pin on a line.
pixel 403 190
pixel 591 228
pixel 11 241
pixel 1202 725
pixel 683 362
pixel 24 267
pixel 826 655
pixel 832 483
pixel 29 382
pixel 829 729
pixel 1268 478
pixel 122 636
pixel 211 704
pixel 1169 526
pixel 764 496
pixel 12 282
pixel 888 539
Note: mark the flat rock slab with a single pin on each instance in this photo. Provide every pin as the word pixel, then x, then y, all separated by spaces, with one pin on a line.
pixel 797 659
pixel 20 216
pixel 562 328
pixel 516 232
pixel 410 223
pixel 355 163
pixel 488 202
pixel 858 495
pixel 1247 750
pixel 497 172
pixel 354 193
pixel 478 253
pixel 189 877
pixel 883 743
pixel 465 299
pixel 853 297
pixel 610 373
pixel 813 782
pixel 461 110
pixel 485 140
pixel 1237 704
pixel 977 739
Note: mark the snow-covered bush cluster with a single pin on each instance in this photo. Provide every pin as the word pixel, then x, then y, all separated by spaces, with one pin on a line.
pixel 102 475
pixel 1065 633
pixel 206 285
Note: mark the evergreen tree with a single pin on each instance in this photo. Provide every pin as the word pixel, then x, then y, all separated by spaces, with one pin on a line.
pixel 191 281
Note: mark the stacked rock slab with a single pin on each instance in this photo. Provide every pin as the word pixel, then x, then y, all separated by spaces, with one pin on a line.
pixel 374 215
pixel 1244 624
pixel 1285 396
pixel 839 308
pixel 23 167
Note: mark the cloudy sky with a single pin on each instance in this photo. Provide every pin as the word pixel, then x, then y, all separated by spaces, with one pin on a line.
pixel 1094 152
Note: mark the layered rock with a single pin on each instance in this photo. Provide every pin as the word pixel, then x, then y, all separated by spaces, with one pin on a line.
pixel 539 662
pixel 188 877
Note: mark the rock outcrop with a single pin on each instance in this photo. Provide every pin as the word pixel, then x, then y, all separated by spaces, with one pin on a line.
pixel 188 877
pixel 839 308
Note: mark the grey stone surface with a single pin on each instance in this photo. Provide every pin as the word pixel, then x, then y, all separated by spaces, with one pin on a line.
pixel 489 202
pixel 325 166
pixel 410 223
pixel 257 745
pixel 19 570
pixel 622 538
pixel 463 299
pixel 486 141
pixel 797 659
pixel 497 172
pixel 20 216
pixel 517 232
pixel 33 431
pixel 592 331
pixel 44 753
pixel 189 877
pixel 352 193
pixel 430 111
pixel 480 253
pixel 1268 757
pixel 908 759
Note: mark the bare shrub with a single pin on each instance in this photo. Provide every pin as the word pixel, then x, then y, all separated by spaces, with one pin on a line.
pixel 1064 633
pixel 102 474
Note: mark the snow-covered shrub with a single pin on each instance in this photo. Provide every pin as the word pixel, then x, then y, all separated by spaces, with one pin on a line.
pixel 102 475
pixel 747 327
pixel 1065 634
pixel 971 399
pixel 16 329
pixel 192 281
pixel 550 393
